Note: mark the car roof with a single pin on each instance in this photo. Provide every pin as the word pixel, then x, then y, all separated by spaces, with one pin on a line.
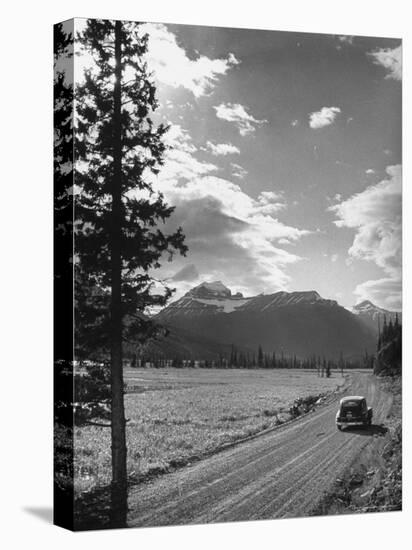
pixel 352 398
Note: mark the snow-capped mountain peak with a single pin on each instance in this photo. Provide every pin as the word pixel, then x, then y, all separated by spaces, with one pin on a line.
pixel 373 315
pixel 215 289
pixel 366 305
pixel 368 308
pixel 210 298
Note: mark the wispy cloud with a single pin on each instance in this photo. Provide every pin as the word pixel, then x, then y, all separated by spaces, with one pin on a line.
pixel 323 117
pixel 236 113
pixel 222 149
pixel 181 162
pixel 172 66
pixel 390 59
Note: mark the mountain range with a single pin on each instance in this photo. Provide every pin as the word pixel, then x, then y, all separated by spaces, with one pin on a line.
pixel 209 319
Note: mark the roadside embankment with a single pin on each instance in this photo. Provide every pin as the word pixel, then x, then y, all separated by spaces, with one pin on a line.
pixel 373 482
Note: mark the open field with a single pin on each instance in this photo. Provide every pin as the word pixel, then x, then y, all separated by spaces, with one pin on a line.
pixel 176 414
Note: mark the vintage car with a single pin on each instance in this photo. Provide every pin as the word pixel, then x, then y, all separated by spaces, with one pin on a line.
pixel 353 411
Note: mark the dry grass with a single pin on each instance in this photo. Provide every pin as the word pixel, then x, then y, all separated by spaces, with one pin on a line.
pixel 178 414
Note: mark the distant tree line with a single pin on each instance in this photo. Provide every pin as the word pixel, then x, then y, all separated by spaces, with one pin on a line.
pixel 256 360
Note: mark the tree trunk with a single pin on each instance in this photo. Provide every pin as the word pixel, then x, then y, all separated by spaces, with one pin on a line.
pixel 118 429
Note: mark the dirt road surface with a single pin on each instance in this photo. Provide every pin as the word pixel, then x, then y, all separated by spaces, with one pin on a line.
pixel 280 474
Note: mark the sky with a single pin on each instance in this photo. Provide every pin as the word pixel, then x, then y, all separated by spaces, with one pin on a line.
pixel 285 160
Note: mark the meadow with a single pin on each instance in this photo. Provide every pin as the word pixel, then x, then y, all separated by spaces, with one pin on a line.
pixel 177 415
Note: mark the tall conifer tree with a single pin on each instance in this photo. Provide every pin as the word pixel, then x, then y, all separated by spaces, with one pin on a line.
pixel 118 237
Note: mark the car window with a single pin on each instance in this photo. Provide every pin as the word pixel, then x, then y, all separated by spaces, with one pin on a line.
pixel 350 404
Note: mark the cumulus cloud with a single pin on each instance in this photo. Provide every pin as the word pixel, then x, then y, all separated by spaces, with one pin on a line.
pixel 222 149
pixel 376 216
pixel 324 117
pixel 369 171
pixel 390 59
pixel 172 66
pixel 242 250
pixel 169 62
pixel 270 202
pixel 243 211
pixel 294 123
pixel 238 171
pixel 236 113
pixel 231 236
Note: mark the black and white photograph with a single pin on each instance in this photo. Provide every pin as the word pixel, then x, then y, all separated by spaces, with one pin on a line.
pixel 227 274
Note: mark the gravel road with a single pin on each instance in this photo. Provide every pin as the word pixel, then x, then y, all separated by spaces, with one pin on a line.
pixel 283 473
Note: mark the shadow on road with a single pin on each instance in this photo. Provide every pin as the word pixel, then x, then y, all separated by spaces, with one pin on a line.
pixel 374 429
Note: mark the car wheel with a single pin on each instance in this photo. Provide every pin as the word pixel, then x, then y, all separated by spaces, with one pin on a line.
pixel 339 428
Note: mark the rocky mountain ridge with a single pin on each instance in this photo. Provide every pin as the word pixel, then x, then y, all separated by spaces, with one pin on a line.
pixel 215 297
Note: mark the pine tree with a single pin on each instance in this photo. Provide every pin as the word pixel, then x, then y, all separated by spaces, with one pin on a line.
pixel 260 357
pixel 63 274
pixel 341 363
pixel 384 330
pixel 118 235
pixel 63 222
pixel 234 359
